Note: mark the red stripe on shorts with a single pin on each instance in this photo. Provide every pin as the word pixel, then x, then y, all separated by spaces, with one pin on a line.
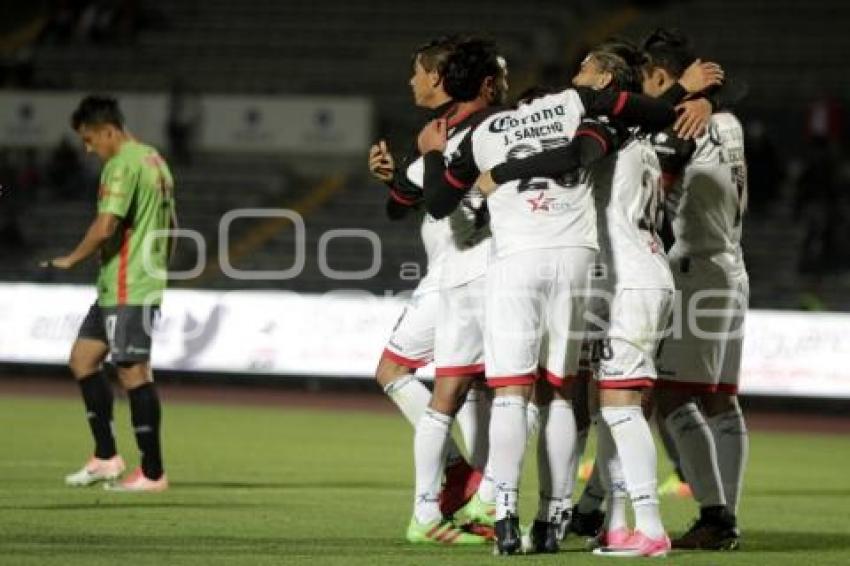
pixel 402 361
pixel 687 386
pixel 459 371
pixel 507 380
pixel 644 382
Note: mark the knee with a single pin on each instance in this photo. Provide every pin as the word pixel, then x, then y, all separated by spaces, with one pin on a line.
pixel 715 404
pixel 132 376
pixel 82 365
pixel 388 371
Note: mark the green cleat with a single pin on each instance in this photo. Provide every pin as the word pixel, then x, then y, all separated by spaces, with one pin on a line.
pixel 440 532
pixel 674 486
pixel 478 512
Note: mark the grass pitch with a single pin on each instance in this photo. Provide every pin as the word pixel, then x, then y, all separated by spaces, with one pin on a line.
pixel 281 486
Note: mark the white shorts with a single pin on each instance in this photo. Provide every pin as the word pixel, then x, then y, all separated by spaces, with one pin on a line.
pixel 534 312
pixel 703 354
pixel 639 321
pixel 459 349
pixel 412 341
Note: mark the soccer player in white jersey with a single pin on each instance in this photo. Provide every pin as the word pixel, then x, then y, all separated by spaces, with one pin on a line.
pixel 707 192
pixel 544 242
pixel 411 344
pixel 474 75
pixel 636 291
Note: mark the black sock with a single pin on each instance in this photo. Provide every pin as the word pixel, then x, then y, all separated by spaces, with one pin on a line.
pixel 145 415
pixel 97 396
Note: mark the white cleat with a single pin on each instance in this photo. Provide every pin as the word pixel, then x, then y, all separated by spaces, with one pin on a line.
pixel 96 470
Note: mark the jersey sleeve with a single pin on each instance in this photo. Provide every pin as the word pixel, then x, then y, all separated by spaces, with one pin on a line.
pixel 629 108
pixel 673 154
pixel 117 188
pixel 447 183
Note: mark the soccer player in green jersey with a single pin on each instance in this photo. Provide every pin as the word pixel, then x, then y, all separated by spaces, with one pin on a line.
pixel 135 212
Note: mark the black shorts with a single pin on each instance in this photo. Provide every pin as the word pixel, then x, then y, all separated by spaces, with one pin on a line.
pixel 126 329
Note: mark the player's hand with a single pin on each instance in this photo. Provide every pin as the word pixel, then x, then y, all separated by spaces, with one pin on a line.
pixel 700 76
pixel 433 136
pixel 485 183
pixel 693 118
pixel 58 263
pixel 381 162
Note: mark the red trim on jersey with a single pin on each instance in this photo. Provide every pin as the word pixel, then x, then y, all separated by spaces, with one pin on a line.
pixel 506 380
pixel 728 388
pixel 402 361
pixel 640 383
pixel 400 199
pixel 454 181
pixel 122 266
pixel 687 386
pixel 459 371
pixel 595 136
pixel 453 121
pixel 621 102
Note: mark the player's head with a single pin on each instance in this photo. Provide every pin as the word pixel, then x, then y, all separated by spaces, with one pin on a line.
pixel 428 63
pixel 669 53
pixel 474 69
pixel 100 124
pixel 614 63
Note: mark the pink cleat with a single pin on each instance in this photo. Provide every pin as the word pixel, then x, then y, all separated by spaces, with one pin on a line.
pixel 137 482
pixel 610 539
pixel 96 470
pixel 638 545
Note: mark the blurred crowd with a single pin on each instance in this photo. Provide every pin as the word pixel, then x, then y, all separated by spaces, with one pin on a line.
pixel 96 21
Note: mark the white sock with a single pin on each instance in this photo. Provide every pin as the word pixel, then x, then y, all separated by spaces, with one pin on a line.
pixel 732 441
pixel 572 472
pixel 532 419
pixel 429 451
pixel 611 478
pixel 412 398
pixel 697 453
pixel 487 487
pixel 636 449
pixel 473 420
pixel 508 436
pixel 556 447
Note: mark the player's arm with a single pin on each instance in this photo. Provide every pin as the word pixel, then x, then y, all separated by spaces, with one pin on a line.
pixel 403 195
pixel 445 185
pixel 695 113
pixel 173 226
pixel 117 190
pixel 592 141
pixel 673 153
pixel 650 114
pixel 100 231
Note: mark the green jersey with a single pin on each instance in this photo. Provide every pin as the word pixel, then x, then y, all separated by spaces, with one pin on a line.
pixel 137 187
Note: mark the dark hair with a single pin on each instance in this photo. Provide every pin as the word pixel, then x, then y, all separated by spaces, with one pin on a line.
pixel 467 66
pixel 624 60
pixel 97 110
pixel 433 54
pixel 670 50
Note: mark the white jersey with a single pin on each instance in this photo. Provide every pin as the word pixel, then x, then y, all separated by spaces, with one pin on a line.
pixel 709 199
pixel 457 246
pixel 540 212
pixel 627 187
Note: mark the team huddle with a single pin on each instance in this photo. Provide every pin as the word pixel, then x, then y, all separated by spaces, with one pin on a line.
pixel 584 268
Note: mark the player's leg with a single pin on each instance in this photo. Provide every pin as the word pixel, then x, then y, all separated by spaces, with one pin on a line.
pixel 723 411
pixel 690 366
pixel 638 319
pixel 429 447
pixel 512 352
pixel 131 346
pixel 410 347
pixel 87 355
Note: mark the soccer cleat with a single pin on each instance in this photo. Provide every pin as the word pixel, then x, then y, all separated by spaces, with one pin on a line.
pixel 545 537
pixel 462 481
pixel 440 531
pixel 674 486
pixel 637 545
pixel 707 534
pixel 477 511
pixel 508 535
pixel 609 539
pixel 586 524
pixel 137 482
pixel 96 470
